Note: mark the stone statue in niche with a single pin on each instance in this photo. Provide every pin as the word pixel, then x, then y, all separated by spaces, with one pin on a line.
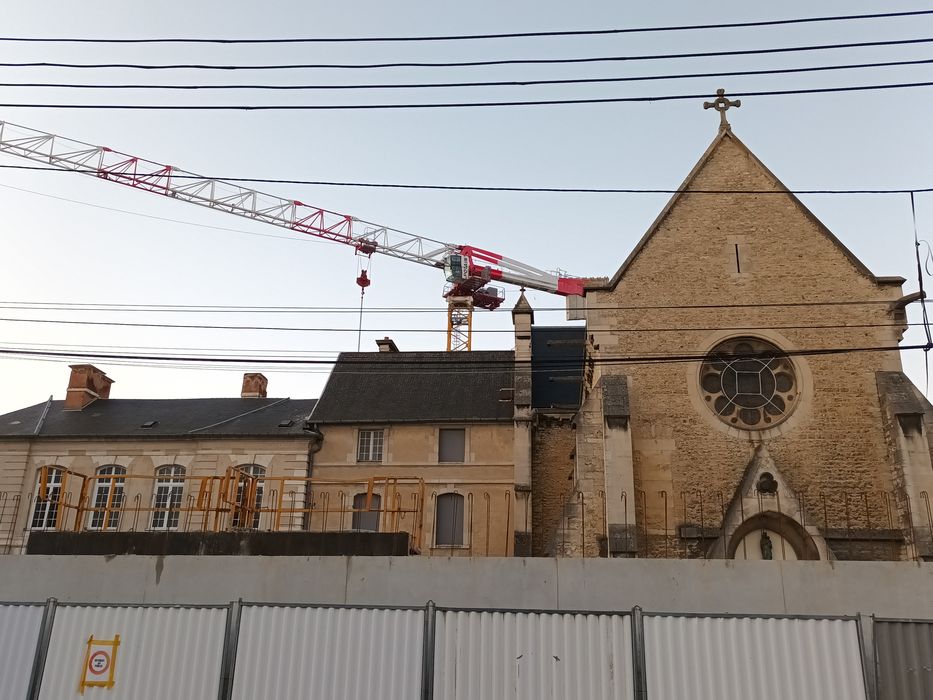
pixel 767 484
pixel 767 547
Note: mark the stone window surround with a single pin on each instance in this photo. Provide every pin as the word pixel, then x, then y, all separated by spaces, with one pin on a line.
pixel 436 446
pixel 465 534
pixel 45 513
pixel 131 485
pixel 170 482
pixel 358 433
pixel 801 367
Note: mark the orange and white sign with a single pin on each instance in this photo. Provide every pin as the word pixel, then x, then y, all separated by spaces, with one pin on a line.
pixel 100 661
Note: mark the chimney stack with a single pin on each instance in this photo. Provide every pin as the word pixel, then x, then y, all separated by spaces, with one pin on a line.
pixel 387 345
pixel 254 386
pixel 86 385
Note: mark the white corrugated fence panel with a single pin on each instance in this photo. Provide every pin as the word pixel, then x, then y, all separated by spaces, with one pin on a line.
pixel 288 653
pixel 19 636
pixel 164 652
pixel 736 658
pixel 532 656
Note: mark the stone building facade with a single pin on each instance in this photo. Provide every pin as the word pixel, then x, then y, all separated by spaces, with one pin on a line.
pixel 406 453
pixel 743 393
pixel 439 430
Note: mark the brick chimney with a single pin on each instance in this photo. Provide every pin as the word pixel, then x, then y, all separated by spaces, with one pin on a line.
pixel 86 385
pixel 254 386
pixel 387 345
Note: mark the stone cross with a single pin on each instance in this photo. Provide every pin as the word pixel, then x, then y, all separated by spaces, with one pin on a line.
pixel 721 104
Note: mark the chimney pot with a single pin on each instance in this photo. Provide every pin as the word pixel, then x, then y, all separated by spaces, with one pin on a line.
pixel 254 386
pixel 86 384
pixel 387 345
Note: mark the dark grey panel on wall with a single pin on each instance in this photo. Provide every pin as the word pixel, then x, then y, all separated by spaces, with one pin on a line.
pixel 904 654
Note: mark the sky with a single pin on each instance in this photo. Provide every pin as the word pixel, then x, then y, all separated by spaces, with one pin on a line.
pixel 72 239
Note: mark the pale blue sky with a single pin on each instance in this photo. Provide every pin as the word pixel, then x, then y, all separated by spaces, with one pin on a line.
pixel 61 251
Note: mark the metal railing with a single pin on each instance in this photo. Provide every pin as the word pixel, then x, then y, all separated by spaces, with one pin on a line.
pixel 68 501
pixel 74 502
pixel 877 525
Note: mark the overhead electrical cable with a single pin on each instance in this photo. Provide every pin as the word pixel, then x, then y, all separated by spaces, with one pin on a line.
pixel 469 84
pixel 446 105
pixel 423 362
pixel 463 37
pixel 471 64
pixel 206 308
pixel 636 329
pixel 414 186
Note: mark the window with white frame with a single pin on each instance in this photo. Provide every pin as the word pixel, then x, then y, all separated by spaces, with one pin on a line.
pixel 166 499
pixel 366 514
pixel 369 446
pixel 451 444
pixel 248 510
pixel 45 511
pixel 108 498
pixel 448 520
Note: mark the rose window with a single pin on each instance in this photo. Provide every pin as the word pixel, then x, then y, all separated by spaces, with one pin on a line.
pixel 748 383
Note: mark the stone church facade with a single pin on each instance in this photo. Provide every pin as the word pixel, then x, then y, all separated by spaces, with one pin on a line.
pixel 719 416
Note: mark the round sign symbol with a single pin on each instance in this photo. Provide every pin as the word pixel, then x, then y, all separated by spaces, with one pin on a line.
pixel 99 662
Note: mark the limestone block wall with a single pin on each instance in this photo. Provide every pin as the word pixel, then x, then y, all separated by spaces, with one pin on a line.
pixel 553 478
pixel 281 458
pixel 730 265
pixel 485 479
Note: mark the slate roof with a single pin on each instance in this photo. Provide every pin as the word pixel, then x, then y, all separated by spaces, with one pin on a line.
pixel 224 417
pixel 557 355
pixel 418 387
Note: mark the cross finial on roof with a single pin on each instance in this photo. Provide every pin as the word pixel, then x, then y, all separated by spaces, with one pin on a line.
pixel 721 104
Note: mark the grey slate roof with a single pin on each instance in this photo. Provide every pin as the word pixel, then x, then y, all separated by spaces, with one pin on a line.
pixel 418 387
pixel 227 417
pixel 557 355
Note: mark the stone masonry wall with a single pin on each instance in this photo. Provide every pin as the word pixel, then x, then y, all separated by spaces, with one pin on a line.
pixel 553 447
pixel 834 441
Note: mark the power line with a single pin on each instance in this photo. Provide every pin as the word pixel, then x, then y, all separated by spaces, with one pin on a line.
pixel 410 186
pixel 463 37
pixel 471 64
pixel 442 105
pixel 470 84
pixel 302 239
pixel 467 364
pixel 637 329
pixel 206 308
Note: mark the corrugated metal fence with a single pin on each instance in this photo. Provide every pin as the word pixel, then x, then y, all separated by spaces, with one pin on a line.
pixel 244 650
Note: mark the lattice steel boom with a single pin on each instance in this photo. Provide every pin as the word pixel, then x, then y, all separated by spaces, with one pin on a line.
pixel 468 269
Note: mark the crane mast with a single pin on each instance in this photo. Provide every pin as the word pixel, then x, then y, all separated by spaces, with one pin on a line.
pixel 469 270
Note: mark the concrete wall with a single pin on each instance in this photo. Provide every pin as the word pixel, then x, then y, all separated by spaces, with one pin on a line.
pixel 886 589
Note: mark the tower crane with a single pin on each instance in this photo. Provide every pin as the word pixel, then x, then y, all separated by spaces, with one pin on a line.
pixel 470 271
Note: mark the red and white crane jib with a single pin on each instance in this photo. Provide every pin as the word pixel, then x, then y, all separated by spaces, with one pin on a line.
pixel 469 269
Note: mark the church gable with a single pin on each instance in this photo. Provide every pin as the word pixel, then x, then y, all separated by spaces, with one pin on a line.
pixel 766 246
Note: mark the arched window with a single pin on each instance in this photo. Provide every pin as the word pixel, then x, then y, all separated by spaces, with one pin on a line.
pixel 166 499
pixel 45 512
pixel 248 511
pixel 366 519
pixel 448 521
pixel 108 498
